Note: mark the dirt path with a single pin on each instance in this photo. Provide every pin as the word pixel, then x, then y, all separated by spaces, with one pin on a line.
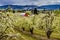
pixel 38 37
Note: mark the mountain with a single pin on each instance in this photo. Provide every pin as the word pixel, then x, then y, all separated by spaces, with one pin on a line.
pixel 26 7
pixel 49 7
pixel 23 7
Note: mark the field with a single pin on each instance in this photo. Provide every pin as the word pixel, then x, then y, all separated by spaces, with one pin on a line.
pixel 16 27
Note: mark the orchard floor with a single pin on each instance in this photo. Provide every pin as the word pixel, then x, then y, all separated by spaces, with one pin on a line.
pixel 35 36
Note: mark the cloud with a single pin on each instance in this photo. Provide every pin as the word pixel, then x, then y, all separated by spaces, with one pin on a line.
pixel 6 2
pixel 29 2
pixel 47 2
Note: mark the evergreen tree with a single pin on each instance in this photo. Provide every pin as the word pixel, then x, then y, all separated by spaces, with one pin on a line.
pixel 35 11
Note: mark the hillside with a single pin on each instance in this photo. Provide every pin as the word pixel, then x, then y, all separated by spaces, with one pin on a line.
pixel 25 7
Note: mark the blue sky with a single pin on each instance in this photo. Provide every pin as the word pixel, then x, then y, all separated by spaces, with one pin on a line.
pixel 29 2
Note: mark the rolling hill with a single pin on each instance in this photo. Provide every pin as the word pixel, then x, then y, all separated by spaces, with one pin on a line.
pixel 26 7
